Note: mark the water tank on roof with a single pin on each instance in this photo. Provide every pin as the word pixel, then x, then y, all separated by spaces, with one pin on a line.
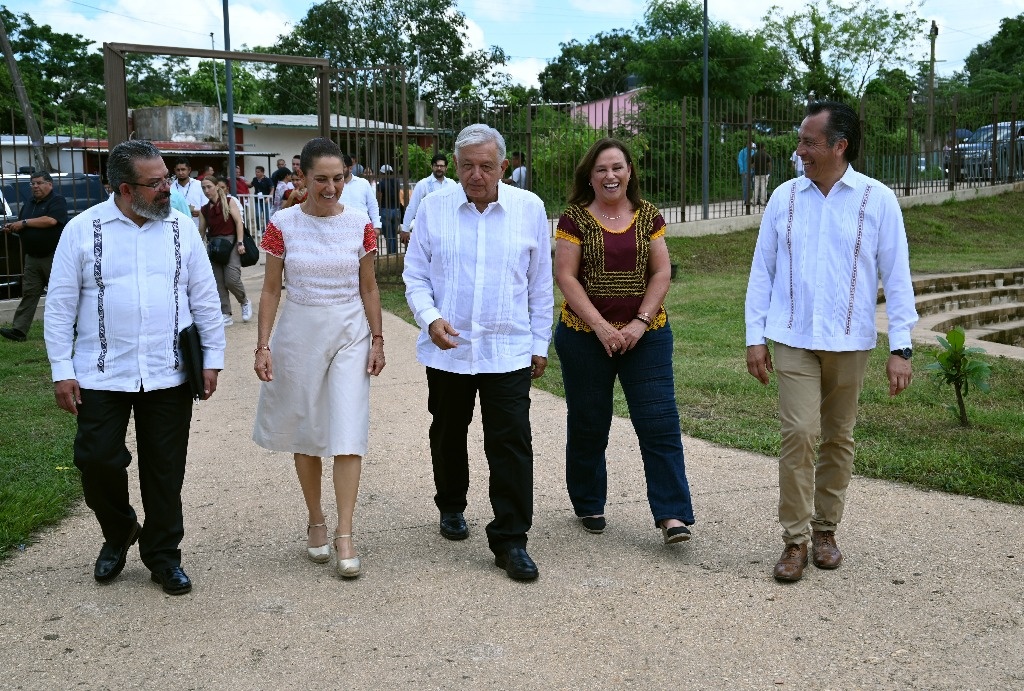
pixel 189 122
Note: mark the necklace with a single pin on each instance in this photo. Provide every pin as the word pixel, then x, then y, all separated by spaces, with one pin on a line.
pixel 612 218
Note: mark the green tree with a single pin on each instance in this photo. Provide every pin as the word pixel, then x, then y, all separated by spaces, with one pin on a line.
pixel 199 85
pixel 671 54
pixel 589 71
pixel 834 48
pixel 1002 54
pixel 63 79
pixel 427 35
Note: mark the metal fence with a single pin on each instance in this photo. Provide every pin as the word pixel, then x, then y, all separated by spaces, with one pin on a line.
pixel 913 147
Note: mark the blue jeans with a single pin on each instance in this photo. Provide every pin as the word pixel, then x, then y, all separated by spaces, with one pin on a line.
pixel 645 373
pixel 389 220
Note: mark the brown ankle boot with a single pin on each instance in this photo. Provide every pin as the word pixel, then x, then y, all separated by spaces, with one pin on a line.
pixel 790 566
pixel 826 551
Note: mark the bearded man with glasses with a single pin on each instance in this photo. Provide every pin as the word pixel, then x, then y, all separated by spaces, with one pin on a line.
pixel 129 274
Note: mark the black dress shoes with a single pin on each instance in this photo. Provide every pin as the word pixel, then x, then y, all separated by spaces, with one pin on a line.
pixel 453 526
pixel 112 557
pixel 173 580
pixel 517 564
pixel 12 334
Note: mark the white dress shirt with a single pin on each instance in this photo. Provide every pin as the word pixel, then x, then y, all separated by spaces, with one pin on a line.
pixel 359 193
pixel 127 292
pixel 192 191
pixel 423 188
pixel 488 274
pixel 814 278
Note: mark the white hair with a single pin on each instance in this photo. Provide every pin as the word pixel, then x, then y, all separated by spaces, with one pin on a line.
pixel 480 134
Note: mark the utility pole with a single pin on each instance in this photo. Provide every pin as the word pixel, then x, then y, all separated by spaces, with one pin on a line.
pixel 214 63
pixel 932 35
pixel 38 155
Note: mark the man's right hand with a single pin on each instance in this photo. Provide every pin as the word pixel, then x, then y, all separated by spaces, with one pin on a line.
pixel 439 332
pixel 68 395
pixel 759 363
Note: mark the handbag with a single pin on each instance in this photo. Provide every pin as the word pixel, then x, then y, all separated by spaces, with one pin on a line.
pixel 191 350
pixel 220 249
pixel 252 250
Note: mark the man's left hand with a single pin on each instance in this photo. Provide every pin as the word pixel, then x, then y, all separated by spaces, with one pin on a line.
pixel 209 383
pixel 538 364
pixel 899 372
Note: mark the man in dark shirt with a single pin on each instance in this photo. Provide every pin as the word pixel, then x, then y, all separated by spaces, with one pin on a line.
pixel 262 185
pixel 389 197
pixel 40 222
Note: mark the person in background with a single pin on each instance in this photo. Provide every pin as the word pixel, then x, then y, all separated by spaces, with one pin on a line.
pixel 478 281
pixel 243 186
pixel 389 193
pixel 760 169
pixel 129 274
pixel 315 396
pixel 263 189
pixel 612 266
pixel 798 164
pixel 222 218
pixel 41 220
pixel 433 182
pixel 189 188
pixel 825 241
pixel 358 193
pixel 743 163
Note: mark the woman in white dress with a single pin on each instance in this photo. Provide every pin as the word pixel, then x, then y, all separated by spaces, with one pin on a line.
pixel 314 400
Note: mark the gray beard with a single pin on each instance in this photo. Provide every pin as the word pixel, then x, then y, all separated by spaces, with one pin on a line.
pixel 151 210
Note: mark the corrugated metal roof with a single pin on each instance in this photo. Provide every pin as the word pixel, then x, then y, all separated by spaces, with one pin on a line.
pixel 338 122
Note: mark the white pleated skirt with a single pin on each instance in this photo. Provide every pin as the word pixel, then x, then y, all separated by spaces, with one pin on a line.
pixel 319 401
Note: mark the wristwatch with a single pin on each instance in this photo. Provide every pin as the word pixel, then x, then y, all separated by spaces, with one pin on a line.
pixel 905 353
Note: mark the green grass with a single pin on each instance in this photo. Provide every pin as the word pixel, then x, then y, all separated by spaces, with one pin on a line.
pixel 38 481
pixel 912 438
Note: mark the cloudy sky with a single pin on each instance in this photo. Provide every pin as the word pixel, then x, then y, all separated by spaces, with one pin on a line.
pixel 529 31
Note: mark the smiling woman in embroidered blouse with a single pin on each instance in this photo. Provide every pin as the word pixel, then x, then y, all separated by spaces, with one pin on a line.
pixel 314 401
pixel 612 266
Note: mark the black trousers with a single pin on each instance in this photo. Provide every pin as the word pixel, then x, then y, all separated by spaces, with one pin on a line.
pixel 508 445
pixel 162 421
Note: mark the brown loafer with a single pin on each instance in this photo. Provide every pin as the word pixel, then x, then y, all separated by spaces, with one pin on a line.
pixel 790 566
pixel 826 551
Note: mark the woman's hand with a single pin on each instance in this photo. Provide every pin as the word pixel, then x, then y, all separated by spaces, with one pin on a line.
pixel 264 365
pixel 376 362
pixel 632 333
pixel 240 247
pixel 610 337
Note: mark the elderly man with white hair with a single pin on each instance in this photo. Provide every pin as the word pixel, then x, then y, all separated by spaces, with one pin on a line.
pixel 478 280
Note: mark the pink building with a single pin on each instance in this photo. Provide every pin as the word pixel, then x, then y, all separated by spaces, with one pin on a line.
pixel 607 113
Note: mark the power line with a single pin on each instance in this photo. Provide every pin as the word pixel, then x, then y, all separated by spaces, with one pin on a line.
pixel 136 19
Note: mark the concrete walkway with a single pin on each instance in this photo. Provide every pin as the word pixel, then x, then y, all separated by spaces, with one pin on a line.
pixel 931 594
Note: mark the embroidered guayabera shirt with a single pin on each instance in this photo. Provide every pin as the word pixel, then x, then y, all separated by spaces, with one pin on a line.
pixel 818 260
pixel 118 296
pixel 488 274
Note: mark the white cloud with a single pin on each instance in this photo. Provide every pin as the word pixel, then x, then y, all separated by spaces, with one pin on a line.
pixel 625 8
pixel 525 70
pixel 503 13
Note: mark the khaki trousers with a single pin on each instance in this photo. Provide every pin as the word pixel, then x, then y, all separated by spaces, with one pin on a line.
pixel 818 394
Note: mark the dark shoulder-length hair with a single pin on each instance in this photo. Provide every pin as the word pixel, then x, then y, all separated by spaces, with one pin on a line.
pixel 583 194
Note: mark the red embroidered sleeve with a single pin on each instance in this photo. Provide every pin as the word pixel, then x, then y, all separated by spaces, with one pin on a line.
pixel 369 238
pixel 273 241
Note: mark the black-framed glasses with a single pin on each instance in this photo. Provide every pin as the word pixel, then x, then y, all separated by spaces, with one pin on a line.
pixel 162 182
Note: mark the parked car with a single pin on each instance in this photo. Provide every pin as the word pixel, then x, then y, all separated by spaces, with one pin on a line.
pixel 974 160
pixel 10 256
pixel 79 190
